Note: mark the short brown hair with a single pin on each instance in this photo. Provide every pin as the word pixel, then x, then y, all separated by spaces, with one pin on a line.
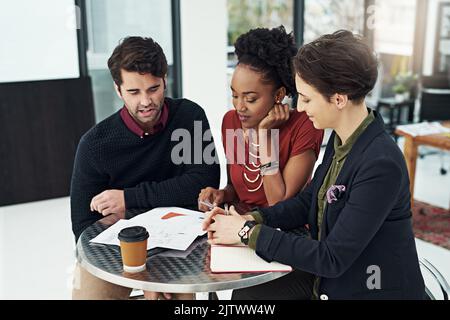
pixel 137 54
pixel 338 63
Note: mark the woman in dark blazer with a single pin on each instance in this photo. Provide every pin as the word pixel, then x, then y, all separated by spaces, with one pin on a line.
pixel 358 204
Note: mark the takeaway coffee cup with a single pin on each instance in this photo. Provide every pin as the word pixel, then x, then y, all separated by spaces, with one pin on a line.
pixel 133 247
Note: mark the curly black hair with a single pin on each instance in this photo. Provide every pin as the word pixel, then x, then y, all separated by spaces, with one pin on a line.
pixel 270 52
pixel 137 54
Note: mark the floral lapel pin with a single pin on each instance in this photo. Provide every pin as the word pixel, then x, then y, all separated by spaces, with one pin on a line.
pixel 334 193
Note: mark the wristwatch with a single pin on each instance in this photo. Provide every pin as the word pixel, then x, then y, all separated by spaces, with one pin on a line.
pixel 244 232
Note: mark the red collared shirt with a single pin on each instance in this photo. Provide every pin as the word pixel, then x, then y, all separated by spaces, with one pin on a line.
pixel 134 127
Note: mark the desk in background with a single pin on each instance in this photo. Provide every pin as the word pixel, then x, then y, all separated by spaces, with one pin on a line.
pixel 410 151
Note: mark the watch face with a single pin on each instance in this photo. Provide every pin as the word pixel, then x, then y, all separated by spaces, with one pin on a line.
pixel 243 231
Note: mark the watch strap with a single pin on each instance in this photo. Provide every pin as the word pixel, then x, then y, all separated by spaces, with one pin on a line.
pixel 244 232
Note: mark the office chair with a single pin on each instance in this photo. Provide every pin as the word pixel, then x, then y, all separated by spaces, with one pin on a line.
pixel 434 104
pixel 437 276
pixel 434 97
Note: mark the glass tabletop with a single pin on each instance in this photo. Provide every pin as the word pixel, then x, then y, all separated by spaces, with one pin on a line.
pixel 167 270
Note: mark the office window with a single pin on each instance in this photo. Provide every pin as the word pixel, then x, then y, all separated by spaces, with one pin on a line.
pixel 442 46
pixel 244 15
pixel 42 44
pixel 393 26
pixel 112 20
pixel 327 16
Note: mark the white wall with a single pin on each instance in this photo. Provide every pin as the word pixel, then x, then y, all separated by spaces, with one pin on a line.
pixel 203 47
pixel 39 40
pixel 430 37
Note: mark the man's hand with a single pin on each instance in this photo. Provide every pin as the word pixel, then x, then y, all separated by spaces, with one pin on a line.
pixel 108 202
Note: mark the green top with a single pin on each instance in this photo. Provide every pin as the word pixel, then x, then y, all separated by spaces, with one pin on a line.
pixel 340 155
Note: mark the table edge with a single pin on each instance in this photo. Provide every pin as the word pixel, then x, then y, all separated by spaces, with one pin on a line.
pixel 172 288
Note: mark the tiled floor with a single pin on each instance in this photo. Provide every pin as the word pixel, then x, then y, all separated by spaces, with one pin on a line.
pixel 37 246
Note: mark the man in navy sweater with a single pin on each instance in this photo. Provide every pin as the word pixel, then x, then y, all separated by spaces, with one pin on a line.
pixel 127 161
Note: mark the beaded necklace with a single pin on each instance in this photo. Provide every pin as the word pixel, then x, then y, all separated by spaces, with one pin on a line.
pixel 251 168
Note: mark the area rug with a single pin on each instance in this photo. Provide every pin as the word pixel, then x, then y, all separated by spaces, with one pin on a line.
pixel 431 224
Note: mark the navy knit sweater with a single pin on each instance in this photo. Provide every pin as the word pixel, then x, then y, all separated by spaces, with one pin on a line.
pixel 110 156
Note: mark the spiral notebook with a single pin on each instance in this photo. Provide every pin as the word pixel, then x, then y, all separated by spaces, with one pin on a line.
pixel 242 259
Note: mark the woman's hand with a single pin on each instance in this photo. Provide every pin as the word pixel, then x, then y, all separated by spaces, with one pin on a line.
pixel 209 218
pixel 223 229
pixel 211 195
pixel 278 115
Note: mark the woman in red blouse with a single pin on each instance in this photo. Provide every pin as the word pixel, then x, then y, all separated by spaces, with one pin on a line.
pixel 258 175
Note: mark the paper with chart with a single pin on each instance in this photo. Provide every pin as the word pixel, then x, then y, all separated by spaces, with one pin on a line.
pixel 171 228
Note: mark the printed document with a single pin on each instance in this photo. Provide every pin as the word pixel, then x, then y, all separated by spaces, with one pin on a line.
pixel 171 228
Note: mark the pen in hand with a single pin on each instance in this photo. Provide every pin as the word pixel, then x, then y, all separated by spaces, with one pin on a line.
pixel 207 204
pixel 226 209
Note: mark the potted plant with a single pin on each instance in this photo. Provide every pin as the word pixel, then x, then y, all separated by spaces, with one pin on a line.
pixel 403 84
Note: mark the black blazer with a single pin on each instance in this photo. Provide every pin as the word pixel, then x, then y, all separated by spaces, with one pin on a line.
pixel 370 225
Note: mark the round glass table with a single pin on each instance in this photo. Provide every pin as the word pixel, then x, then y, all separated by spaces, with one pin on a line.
pixel 167 271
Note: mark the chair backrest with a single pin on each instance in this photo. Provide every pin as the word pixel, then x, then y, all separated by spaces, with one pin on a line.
pixel 435 82
pixel 434 99
pixel 434 104
pixel 437 276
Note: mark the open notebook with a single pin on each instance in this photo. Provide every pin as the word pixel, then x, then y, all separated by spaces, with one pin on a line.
pixel 241 259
